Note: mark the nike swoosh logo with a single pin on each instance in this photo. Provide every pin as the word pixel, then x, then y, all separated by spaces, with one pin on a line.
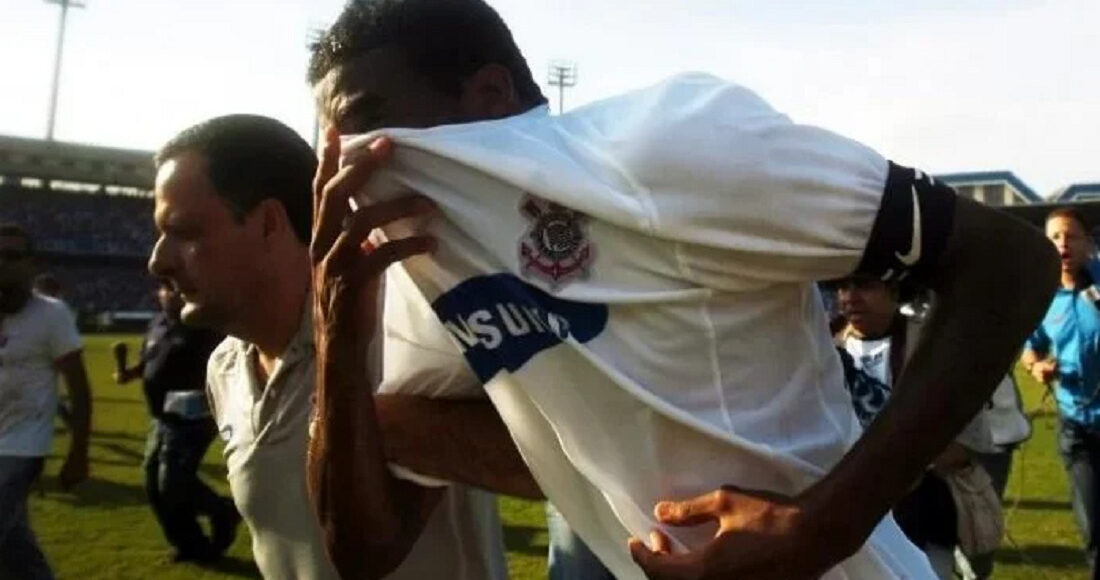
pixel 913 255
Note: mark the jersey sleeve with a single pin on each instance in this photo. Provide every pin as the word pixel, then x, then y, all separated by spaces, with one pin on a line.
pixel 752 198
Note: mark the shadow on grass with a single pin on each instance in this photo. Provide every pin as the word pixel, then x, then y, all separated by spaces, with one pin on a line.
pixel 124 435
pixel 236 567
pixel 119 401
pixel 95 492
pixel 1047 556
pixel 1040 504
pixel 524 539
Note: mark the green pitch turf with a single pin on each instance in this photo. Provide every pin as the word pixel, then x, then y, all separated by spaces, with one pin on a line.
pixel 103 530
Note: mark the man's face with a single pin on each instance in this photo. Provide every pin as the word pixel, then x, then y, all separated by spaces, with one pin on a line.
pixel 15 264
pixel 868 304
pixel 208 256
pixel 379 89
pixel 1071 241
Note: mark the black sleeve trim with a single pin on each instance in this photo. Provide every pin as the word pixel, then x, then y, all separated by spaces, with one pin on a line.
pixel 907 239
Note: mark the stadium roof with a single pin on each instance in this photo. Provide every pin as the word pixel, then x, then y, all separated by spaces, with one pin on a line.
pixel 980 177
pixel 52 160
pixel 1077 192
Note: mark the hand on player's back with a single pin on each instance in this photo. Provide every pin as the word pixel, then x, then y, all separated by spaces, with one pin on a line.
pixel 1045 371
pixel 760 535
pixel 346 267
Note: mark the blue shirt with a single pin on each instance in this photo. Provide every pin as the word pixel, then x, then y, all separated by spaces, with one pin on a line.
pixel 1070 332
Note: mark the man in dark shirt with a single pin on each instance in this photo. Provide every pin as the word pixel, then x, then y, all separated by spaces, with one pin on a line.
pixel 173 367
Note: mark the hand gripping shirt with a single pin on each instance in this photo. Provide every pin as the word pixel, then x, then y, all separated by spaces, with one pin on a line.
pixel 631 283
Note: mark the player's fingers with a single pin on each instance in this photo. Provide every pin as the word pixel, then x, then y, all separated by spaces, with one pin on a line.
pixel 379 258
pixel 327 164
pixel 664 566
pixel 333 206
pixel 695 511
pixel 361 222
pixel 659 542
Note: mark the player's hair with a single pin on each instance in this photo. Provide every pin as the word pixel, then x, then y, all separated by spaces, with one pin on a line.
pixel 1071 213
pixel 445 40
pixel 14 230
pixel 47 284
pixel 251 158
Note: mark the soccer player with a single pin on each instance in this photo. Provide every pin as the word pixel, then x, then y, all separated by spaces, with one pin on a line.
pixel 38 341
pixel 233 216
pixel 632 284
pixel 1064 352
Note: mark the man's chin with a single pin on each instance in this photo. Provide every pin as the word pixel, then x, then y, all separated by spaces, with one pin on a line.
pixel 193 314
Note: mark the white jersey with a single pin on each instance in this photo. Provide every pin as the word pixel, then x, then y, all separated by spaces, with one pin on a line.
pixel 631 284
pixel 31 341
pixel 266 429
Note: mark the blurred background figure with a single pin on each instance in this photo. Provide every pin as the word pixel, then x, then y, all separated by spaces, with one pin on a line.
pixel 1064 354
pixel 874 343
pixel 38 341
pixel 173 367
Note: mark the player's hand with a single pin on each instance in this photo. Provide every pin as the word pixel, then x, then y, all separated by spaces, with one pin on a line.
pixel 1045 371
pixel 73 471
pixel 760 535
pixel 346 267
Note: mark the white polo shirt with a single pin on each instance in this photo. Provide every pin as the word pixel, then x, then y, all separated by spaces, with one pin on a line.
pixel 632 285
pixel 266 429
pixel 31 342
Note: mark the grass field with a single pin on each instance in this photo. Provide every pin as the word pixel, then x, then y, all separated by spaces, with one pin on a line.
pixel 104 531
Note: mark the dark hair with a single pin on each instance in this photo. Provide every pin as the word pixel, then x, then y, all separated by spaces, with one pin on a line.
pixel 14 230
pixel 1070 213
pixel 445 40
pixel 252 158
pixel 47 284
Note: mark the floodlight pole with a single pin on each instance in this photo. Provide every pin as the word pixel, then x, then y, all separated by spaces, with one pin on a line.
pixel 562 74
pixel 65 4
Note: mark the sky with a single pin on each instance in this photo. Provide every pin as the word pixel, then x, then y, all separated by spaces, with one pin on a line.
pixel 945 85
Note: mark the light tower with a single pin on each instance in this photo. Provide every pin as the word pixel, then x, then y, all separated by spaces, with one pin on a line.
pixel 65 5
pixel 562 74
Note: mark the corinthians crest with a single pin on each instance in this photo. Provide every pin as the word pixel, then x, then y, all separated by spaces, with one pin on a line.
pixel 554 247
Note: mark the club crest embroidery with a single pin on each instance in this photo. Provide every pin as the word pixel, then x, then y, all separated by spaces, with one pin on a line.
pixel 554 247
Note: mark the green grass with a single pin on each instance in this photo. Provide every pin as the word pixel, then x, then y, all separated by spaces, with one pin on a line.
pixel 103 530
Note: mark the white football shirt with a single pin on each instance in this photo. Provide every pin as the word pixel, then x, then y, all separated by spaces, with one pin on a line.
pixel 632 285
pixel 31 341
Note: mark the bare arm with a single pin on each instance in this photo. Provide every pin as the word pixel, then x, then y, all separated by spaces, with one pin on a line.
pixel 370 518
pixel 71 367
pixel 468 443
pixel 993 285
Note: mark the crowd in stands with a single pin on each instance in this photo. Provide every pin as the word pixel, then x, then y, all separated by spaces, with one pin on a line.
pixel 91 289
pixel 80 223
pixel 94 244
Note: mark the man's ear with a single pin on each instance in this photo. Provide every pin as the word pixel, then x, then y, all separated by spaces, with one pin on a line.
pixel 273 221
pixel 489 93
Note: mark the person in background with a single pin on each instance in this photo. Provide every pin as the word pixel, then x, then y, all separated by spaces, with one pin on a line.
pixel 874 341
pixel 1064 354
pixel 38 342
pixel 49 286
pixel 173 367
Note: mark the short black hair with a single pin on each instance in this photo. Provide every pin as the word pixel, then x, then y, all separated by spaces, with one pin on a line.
pixel 14 230
pixel 445 40
pixel 1070 213
pixel 251 158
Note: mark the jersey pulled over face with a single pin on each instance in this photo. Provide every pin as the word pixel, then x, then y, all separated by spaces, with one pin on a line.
pixel 631 283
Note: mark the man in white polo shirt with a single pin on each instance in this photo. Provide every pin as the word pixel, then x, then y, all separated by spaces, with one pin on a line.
pixel 632 283
pixel 233 215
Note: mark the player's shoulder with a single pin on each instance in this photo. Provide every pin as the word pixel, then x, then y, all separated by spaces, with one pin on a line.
pixel 49 308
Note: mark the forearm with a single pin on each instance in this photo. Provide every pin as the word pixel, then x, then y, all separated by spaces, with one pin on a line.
pixel 81 417
pixel 467 442
pixel 369 519
pixel 985 309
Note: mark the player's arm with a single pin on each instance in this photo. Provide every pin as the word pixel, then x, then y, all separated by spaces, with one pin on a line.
pixel 993 277
pixel 370 518
pixel 71 368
